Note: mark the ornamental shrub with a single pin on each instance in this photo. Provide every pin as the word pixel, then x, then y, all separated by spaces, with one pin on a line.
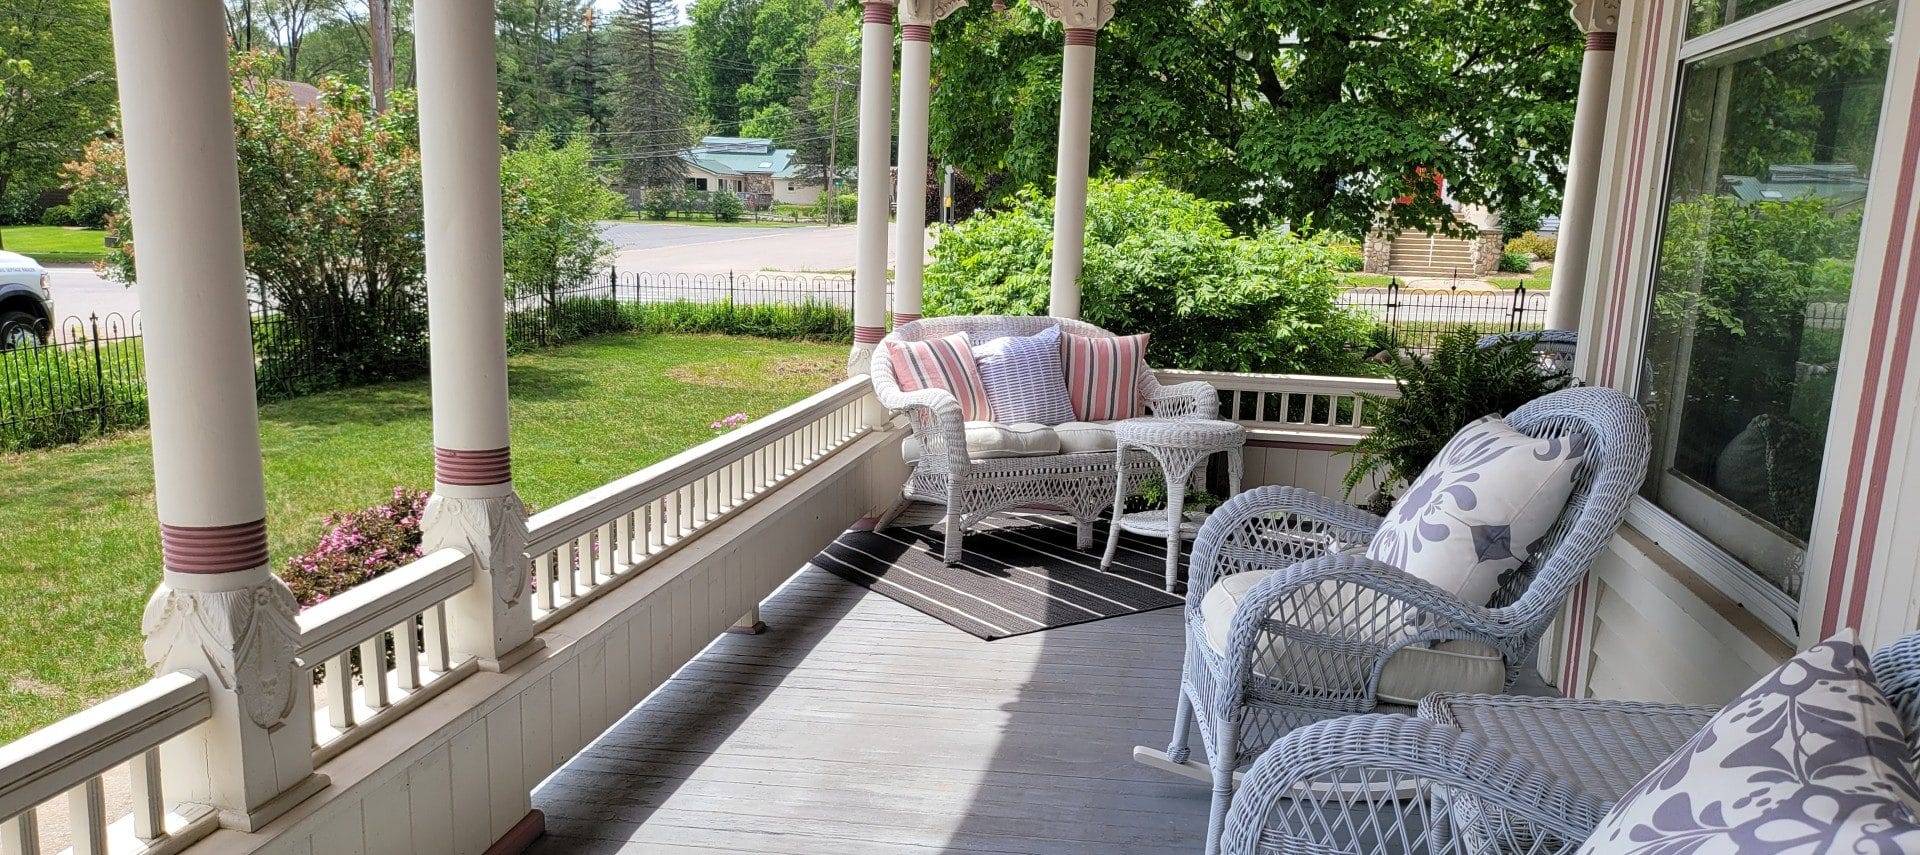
pixel 659 203
pixel 1535 244
pixel 1515 262
pixel 1160 261
pixel 726 207
pixel 358 546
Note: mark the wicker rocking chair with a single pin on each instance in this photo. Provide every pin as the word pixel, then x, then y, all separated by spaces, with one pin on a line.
pixel 972 489
pixel 1312 640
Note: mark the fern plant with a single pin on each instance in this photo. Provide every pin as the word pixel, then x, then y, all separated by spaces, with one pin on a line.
pixel 1440 393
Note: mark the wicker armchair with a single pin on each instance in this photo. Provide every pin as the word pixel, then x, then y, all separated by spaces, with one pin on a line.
pixel 1081 484
pixel 1396 785
pixel 1323 628
pixel 1556 348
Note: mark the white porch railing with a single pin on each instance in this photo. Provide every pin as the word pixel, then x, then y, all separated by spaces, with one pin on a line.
pixel 1327 408
pixel 397 624
pixel 74 756
pixel 582 545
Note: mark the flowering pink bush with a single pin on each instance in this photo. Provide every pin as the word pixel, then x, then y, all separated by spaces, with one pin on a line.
pixel 358 546
pixel 729 423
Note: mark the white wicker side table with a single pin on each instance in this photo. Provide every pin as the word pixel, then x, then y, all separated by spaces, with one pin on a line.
pixel 1180 446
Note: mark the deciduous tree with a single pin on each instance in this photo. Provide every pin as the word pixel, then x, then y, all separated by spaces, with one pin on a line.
pixel 56 85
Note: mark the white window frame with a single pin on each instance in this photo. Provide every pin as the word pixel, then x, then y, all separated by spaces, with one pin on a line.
pixel 1775 609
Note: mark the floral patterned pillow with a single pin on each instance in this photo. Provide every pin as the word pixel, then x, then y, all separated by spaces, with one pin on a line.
pixel 1812 759
pixel 1480 507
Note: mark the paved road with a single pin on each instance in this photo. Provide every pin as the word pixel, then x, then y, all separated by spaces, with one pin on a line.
pixel 653 248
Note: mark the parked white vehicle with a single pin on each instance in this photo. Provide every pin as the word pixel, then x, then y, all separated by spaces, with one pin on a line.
pixel 26 302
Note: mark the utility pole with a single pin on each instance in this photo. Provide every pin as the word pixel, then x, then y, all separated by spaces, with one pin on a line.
pixel 833 151
pixel 586 67
pixel 380 35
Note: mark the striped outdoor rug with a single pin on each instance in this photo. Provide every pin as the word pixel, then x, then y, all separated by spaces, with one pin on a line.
pixel 1018 575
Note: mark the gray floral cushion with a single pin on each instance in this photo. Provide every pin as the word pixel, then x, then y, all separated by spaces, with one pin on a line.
pixel 1479 508
pixel 1812 759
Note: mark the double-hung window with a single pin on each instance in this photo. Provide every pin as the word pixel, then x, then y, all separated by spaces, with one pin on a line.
pixel 1769 165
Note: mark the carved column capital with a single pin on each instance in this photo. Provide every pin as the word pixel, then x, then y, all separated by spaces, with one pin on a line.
pixel 243 640
pixel 1596 16
pixel 927 12
pixel 1077 14
pixel 493 620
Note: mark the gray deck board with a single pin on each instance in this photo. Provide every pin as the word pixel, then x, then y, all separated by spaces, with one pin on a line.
pixel 859 725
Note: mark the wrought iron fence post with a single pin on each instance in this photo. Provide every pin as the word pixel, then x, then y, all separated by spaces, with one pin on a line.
pixel 1393 301
pixel 99 376
pixel 1519 307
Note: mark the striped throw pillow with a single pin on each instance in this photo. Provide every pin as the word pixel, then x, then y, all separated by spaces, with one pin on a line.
pixel 1023 378
pixel 1101 375
pixel 943 363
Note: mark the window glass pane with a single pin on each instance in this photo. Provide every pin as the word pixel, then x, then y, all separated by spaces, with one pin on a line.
pixel 1711 14
pixel 1771 156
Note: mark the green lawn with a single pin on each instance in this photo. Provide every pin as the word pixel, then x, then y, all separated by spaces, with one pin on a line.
pixel 1538 280
pixel 79 548
pixel 55 244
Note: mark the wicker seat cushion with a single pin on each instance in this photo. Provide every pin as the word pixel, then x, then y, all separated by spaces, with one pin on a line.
pixel 1411 674
pixel 990 440
pixel 1085 437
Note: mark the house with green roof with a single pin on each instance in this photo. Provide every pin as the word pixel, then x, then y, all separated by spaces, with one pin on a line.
pixel 752 167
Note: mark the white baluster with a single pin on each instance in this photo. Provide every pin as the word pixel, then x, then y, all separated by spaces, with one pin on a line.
pixel 373 671
pixel 434 624
pixel 406 655
pixel 340 691
pixel 149 805
pixel 87 817
pixel 20 835
pixel 543 579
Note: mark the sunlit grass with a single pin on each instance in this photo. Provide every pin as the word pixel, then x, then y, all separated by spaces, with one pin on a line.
pixel 79 547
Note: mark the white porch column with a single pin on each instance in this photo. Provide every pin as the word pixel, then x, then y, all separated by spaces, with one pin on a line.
pixel 474 506
pixel 917 18
pixel 219 610
pixel 1083 21
pixel 1600 19
pixel 876 154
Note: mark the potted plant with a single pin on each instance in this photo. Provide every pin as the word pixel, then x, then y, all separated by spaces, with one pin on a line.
pixel 1440 393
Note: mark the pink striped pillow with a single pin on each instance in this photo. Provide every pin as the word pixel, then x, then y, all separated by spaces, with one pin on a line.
pixel 1101 375
pixel 943 363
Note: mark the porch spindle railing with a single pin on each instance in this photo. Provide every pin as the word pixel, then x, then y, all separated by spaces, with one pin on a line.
pixel 583 545
pixel 75 756
pixel 1329 407
pixel 381 648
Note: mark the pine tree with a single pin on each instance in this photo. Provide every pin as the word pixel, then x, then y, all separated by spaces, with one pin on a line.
pixel 651 114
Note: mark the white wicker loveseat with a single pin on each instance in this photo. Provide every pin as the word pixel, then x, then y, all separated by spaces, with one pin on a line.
pixel 972 487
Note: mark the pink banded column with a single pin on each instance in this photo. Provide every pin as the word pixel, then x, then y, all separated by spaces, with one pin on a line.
pixel 910 206
pixel 219 610
pixel 1600 19
pixel 876 145
pixel 474 507
pixel 1083 21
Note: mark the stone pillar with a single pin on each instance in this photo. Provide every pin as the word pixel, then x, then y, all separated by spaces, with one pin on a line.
pixel 1376 252
pixel 1600 19
pixel 910 199
pixel 1083 20
pixel 219 610
pixel 876 154
pixel 474 506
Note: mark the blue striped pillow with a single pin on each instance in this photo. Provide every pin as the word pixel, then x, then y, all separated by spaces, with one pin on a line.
pixel 1023 378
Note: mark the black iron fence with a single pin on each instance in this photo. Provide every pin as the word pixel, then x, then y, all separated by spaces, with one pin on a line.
pixel 1416 318
pixel 87 378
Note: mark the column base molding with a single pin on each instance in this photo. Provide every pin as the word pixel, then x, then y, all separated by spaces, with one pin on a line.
pixel 755 628
pixel 512 657
pixel 256 819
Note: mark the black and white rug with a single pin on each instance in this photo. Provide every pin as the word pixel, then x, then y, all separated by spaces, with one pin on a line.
pixel 1017 575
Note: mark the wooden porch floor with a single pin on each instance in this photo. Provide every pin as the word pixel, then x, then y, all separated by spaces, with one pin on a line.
pixel 857 725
